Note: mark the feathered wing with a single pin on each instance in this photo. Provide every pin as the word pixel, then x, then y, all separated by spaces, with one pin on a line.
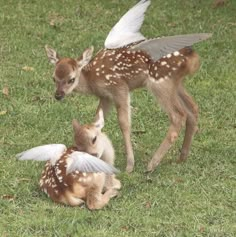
pixel 43 153
pixel 84 162
pixel 159 47
pixel 127 29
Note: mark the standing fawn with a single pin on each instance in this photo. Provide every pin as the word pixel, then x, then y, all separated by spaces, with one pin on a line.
pixel 130 61
pixel 72 176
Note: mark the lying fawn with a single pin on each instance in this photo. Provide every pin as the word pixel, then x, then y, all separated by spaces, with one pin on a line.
pixel 73 177
pixel 158 64
pixel 90 139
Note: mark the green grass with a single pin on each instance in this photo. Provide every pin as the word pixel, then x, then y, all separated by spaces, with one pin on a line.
pixel 197 198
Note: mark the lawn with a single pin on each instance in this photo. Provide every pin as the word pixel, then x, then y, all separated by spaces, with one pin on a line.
pixel 197 198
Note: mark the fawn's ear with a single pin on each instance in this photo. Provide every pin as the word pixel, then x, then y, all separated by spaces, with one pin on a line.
pixel 52 55
pixel 76 125
pixel 87 55
pixel 99 119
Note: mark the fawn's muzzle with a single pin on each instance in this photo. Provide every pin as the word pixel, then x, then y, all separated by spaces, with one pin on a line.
pixel 59 96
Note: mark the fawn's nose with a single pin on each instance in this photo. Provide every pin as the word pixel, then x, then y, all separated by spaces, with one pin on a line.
pixel 59 96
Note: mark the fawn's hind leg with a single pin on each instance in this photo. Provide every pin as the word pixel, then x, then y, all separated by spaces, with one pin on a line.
pixel 191 122
pixel 95 199
pixel 112 182
pixel 167 96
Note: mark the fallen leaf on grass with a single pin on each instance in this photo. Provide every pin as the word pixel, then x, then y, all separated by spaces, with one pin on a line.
pixel 38 98
pixel 3 112
pixel 178 180
pixel 202 229
pixel 55 19
pixel 23 179
pixel 219 3
pixel 8 197
pixel 5 91
pixel 27 69
pixel 125 228
pixel 148 205
pixel 172 24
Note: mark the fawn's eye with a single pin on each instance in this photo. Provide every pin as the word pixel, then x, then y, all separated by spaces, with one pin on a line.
pixel 94 140
pixel 72 80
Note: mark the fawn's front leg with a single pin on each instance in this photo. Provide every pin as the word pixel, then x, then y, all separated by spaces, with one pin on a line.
pixel 104 104
pixel 124 118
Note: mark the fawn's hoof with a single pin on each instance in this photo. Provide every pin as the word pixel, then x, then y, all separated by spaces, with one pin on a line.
pixel 181 160
pixel 130 166
pixel 151 166
pixel 116 184
pixel 113 193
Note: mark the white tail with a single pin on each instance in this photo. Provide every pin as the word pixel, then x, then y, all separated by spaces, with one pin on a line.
pixel 113 73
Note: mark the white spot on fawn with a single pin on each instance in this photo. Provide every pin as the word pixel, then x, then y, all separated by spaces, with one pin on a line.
pixel 108 77
pixel 163 63
pixel 176 53
pixel 152 79
pixel 58 171
pixel 168 55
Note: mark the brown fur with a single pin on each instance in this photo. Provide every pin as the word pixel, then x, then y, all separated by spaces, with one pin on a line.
pixel 113 73
pixel 75 188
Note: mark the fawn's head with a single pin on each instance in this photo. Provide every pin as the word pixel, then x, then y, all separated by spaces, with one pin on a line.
pixel 88 137
pixel 67 70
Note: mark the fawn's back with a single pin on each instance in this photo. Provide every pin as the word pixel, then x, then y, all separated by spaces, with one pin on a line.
pixel 112 69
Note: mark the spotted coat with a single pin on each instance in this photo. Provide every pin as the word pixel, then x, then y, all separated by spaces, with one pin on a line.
pixel 57 184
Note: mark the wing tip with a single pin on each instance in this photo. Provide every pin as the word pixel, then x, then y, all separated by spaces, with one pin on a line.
pixel 19 156
pixel 205 36
pixel 115 170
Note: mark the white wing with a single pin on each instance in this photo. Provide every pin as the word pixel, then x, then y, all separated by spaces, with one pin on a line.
pixel 84 162
pixel 43 153
pixel 159 47
pixel 126 30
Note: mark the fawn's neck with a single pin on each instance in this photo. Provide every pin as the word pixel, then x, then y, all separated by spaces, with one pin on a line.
pixel 83 85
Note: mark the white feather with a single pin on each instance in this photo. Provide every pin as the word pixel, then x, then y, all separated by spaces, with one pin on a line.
pixel 84 162
pixel 159 47
pixel 50 152
pixel 127 29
